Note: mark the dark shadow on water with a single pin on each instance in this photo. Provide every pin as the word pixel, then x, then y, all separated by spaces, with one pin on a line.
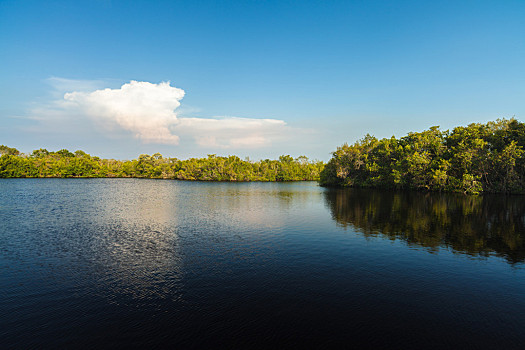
pixel 479 226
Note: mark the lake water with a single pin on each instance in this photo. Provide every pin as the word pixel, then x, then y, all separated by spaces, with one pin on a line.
pixel 149 263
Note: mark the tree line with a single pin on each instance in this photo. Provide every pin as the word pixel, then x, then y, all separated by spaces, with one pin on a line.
pixel 471 159
pixel 478 158
pixel 63 163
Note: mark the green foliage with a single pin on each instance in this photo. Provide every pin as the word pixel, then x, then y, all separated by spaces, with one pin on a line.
pixel 473 159
pixel 8 151
pixel 43 163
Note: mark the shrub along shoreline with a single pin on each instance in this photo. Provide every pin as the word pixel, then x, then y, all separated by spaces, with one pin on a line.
pixel 478 158
pixel 473 159
pixel 65 164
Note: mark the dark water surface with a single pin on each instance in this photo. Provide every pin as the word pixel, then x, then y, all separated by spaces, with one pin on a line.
pixel 151 263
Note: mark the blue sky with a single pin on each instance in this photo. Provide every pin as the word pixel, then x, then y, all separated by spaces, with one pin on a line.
pixel 252 78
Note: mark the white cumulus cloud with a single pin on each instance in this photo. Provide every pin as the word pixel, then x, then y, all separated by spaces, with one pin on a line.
pixel 231 132
pixel 148 111
pixel 145 109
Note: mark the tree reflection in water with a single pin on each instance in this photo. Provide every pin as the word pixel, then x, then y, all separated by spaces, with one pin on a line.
pixel 474 225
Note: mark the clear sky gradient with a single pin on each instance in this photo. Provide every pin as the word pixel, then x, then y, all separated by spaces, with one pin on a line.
pixel 259 78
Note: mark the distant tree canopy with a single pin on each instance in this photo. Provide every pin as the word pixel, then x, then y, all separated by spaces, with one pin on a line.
pixel 470 159
pixel 473 159
pixel 63 163
pixel 8 151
